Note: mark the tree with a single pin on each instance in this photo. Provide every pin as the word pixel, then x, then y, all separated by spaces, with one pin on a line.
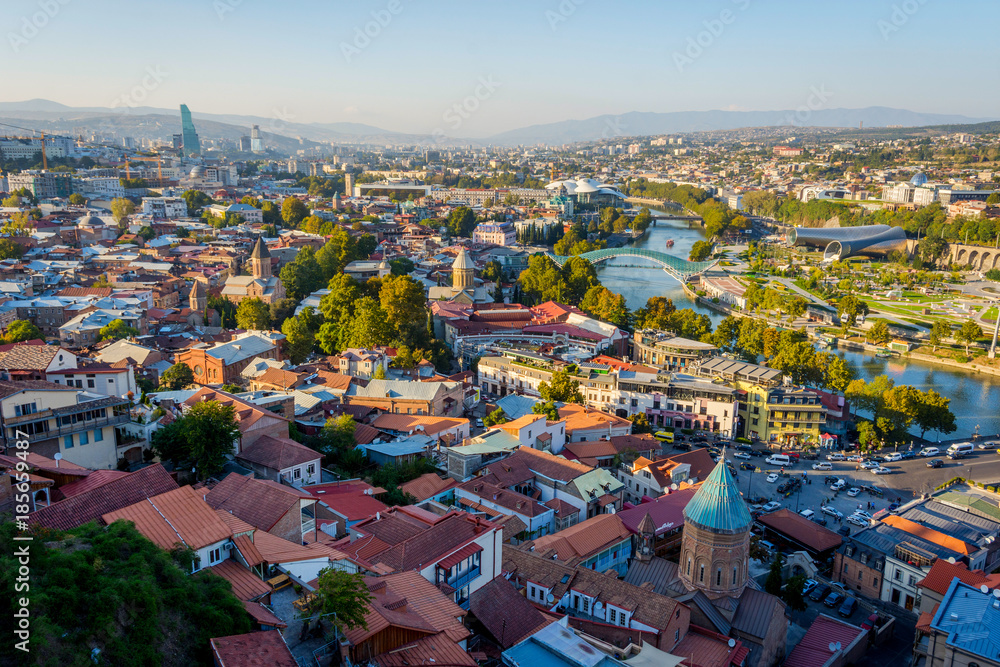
pixel 867 437
pixel 337 435
pixel 345 595
pixel 22 330
pixel 253 315
pixel 293 211
pixel 602 303
pixel 563 389
pixel 401 266
pixel 969 333
pixel 116 330
pixel 121 208
pixel 18 224
pixel 379 373
pixel 369 327
pixel 939 331
pixel 299 338
pixel 774 578
pixel 212 432
pixel 494 418
pixel 492 272
pixel 700 251
pixel 231 388
pixel 176 377
pixel 879 333
pixel 640 423
pixel 933 413
pixel 792 595
pixel 303 275
pixel 10 249
pixel 403 300
pixel 195 199
pixel 147 232
pixel 461 221
pixel 547 408
pixel 76 199
pixel 756 551
pixel 839 374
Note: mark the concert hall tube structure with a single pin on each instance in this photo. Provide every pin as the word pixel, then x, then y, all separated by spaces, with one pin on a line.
pixel 844 242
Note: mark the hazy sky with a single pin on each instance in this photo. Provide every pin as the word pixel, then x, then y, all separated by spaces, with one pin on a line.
pixel 507 64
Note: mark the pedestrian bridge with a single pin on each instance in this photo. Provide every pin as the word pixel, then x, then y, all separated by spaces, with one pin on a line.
pixel 681 269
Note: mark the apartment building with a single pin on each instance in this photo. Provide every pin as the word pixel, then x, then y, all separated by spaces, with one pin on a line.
pixel 439 399
pixel 164 207
pixel 663 349
pixel 56 419
pixel 42 184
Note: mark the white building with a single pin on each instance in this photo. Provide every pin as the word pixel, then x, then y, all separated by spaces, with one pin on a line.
pixel 164 207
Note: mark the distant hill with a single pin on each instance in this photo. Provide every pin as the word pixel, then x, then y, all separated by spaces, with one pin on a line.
pixel 638 123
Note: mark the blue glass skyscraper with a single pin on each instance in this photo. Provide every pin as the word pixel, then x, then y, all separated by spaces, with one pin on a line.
pixel 192 145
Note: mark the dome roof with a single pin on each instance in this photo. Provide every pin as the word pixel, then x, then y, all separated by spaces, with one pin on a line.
pixel 90 221
pixel 718 506
pixel 197 172
pixel 584 186
pixel 463 261
pixel 920 178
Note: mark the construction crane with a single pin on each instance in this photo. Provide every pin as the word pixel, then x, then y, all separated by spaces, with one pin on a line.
pixel 158 160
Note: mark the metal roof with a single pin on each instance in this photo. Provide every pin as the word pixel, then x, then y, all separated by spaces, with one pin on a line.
pixel 970 620
pixel 718 505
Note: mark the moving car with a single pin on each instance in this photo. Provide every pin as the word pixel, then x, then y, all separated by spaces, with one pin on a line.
pixel 989 445
pixel 741 455
pixel 881 470
pixel 954 456
pixel 892 458
pixel 832 511
pixel 935 463
pixel 818 519
pixel 807 513
pixel 819 593
pixel 778 460
pixel 870 465
pixel 664 436
pixel 823 466
pixel 855 458
pixel 770 507
pixel 834 457
pixel 772 478
pixel 833 599
pixel 848 607
pixel 929 451
pixel 853 491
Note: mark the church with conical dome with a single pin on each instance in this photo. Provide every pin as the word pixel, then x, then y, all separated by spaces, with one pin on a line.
pixel 715 549
pixel 260 284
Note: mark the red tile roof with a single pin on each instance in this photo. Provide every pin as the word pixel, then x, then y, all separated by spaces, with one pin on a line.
pixel 942 573
pixel 929 534
pixel 349 501
pixel 253 500
pixel 255 649
pixel 814 649
pixel 507 614
pixel 246 585
pixel 460 555
pixel 91 481
pixel 436 650
pixel 263 615
pixel 94 503
pixel 176 517
pixel 427 485
pixel 278 453
pixel 585 539
pixel 244 544
pixel 802 530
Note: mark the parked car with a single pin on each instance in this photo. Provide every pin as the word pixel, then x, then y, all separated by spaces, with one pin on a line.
pixel 838 485
pixel 863 514
pixel 909 454
pixel 870 622
pixel 747 466
pixel 848 607
pixel 819 593
pixel 929 451
pixel 479 423
pixel 833 599
pixel 857 520
pixel 892 458
pixel 741 455
pixel 834 457
pixel 844 530
pixel 770 507
pixel 881 470
pixel 954 456
pixel 818 519
pixel 764 544
pixel 870 465
pixel 935 463
pixel 989 445
pixel 823 466
pixel 772 478
pixel 808 587
pixel 853 491
pixel 683 446
pixel 855 458
pixel 831 479
pixel 807 513
pixel 832 511
pixel 744 448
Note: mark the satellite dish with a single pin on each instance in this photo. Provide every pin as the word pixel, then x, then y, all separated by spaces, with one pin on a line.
pixel 673 487
pixel 984 589
pixel 996 593
pixel 833 647
pixel 839 646
pixel 550 597
pixel 57 456
pixel 732 643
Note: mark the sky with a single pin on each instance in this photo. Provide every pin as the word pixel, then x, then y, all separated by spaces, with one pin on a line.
pixel 477 67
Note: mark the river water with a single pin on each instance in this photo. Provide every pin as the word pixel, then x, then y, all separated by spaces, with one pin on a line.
pixel 975 398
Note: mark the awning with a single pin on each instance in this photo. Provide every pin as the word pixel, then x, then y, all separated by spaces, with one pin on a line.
pixel 460 555
pixel 606 500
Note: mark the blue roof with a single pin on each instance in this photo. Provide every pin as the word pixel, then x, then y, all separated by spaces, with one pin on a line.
pixel 718 505
pixel 970 620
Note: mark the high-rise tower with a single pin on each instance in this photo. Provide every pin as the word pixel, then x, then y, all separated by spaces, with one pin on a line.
pixel 191 143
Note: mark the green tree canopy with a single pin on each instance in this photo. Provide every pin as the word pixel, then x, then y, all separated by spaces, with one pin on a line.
pixel 22 330
pixel 253 315
pixel 293 211
pixel 563 389
pixel 176 377
pixel 495 418
pixel 116 330
pixel 203 437
pixel 344 594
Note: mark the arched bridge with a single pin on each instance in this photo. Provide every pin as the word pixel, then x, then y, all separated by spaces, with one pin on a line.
pixel 681 269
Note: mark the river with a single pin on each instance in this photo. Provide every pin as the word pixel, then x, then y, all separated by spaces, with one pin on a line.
pixel 975 397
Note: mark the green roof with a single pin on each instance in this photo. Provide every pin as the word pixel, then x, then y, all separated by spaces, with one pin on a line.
pixel 718 506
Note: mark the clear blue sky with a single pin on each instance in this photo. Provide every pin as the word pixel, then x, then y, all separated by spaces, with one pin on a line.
pixel 551 64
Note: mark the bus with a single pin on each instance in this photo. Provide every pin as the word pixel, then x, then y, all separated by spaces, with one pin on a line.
pixel 664 436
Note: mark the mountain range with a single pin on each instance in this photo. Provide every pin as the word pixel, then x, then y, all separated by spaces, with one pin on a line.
pixel 284 133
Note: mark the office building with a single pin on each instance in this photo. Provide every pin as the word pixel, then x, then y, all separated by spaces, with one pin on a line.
pixel 191 143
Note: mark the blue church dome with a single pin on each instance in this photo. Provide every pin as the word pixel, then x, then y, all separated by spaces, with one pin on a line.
pixel 718 506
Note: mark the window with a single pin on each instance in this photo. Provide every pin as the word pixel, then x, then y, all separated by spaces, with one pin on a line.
pixel 297 474
pixel 689 567
pixel 311 469
pixel 846 568
pixel 897 575
pixel 90 384
pixel 718 577
pixel 701 573
pixel 68 442
pixel 677 635
pixel 860 574
pixel 83 438
pixel 613 617
pixel 214 556
pixel 875 582
pixel 25 409
pixel 734 576
pixel 912 581
pixel 99 435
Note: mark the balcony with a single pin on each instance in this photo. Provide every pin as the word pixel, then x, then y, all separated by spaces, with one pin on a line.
pixel 70 429
pixel 110 401
pixel 920 646
pixel 462 579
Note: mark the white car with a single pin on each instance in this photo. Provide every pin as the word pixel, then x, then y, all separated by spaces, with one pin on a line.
pixel 881 470
pixel 891 458
pixel 770 507
pixel 772 478
pixel 870 465
pixel 929 451
pixel 855 458
pixel 857 520
pixel 853 491
pixel 823 466
pixel 989 445
pixel 863 514
pixel 834 457
pixel 838 485
pixel 741 455
pixel 831 511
